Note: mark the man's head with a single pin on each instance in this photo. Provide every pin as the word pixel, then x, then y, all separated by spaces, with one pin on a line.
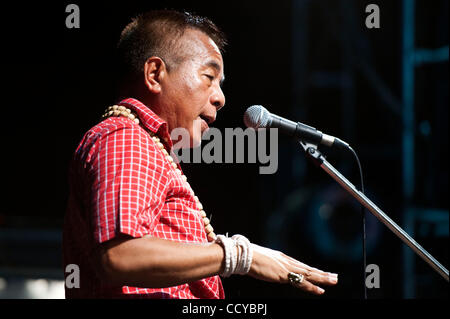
pixel 174 61
pixel 157 33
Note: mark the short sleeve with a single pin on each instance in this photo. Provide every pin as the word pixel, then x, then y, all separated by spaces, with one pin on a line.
pixel 129 184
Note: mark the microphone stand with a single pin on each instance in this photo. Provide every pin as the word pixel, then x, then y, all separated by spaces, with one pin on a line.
pixel 317 157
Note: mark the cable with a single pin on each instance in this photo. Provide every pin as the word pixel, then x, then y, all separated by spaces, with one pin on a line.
pixel 363 221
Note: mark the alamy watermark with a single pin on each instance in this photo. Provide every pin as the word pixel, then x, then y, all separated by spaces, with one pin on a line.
pixel 373 277
pixel 373 19
pixel 73 276
pixel 234 146
pixel 73 17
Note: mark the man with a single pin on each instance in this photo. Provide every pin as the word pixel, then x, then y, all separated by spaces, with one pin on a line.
pixel 134 226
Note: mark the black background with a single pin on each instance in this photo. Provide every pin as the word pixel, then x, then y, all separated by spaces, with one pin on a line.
pixel 58 81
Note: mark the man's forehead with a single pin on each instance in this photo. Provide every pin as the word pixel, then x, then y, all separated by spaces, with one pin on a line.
pixel 214 45
pixel 198 41
pixel 200 45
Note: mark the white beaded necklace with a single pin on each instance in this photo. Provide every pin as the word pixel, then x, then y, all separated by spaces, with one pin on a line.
pixel 118 111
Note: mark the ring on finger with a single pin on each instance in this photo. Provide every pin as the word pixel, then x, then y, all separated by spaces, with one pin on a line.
pixel 295 279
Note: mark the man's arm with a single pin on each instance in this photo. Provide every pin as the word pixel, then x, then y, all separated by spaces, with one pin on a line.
pixel 153 262
pixel 157 263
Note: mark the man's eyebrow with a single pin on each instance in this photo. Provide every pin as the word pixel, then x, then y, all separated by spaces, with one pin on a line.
pixel 213 64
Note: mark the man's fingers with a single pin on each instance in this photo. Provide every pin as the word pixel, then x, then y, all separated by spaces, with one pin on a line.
pixel 318 277
pixel 282 263
pixel 297 263
pixel 312 274
pixel 309 287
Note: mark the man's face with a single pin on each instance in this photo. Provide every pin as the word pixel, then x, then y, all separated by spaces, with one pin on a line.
pixel 191 92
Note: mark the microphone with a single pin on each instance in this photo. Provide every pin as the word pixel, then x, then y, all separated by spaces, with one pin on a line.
pixel 257 117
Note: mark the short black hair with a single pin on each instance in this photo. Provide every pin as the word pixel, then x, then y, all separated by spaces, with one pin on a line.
pixel 155 33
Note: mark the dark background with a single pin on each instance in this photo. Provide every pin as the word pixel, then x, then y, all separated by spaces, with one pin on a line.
pixel 313 61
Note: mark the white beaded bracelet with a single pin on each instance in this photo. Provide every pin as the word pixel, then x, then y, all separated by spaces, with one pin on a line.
pixel 236 263
pixel 230 254
pixel 245 260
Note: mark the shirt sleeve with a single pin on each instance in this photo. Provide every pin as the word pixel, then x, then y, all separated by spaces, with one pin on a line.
pixel 128 184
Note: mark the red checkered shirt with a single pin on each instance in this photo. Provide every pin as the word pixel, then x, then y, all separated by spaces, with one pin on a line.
pixel 121 183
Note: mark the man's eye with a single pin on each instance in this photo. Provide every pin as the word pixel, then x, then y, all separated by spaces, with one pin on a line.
pixel 209 76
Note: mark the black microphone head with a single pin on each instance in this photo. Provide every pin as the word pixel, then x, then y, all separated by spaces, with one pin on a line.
pixel 257 117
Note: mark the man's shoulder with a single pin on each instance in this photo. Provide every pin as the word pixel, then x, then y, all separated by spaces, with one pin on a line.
pixel 113 128
pixel 114 124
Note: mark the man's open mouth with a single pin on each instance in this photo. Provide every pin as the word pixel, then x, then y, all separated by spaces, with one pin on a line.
pixel 206 118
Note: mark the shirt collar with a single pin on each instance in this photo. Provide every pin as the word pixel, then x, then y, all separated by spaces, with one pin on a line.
pixel 149 119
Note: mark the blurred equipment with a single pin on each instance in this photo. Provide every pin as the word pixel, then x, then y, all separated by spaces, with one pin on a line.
pixel 421 153
pixel 30 263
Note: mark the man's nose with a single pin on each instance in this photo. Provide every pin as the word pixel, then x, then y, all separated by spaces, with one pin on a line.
pixel 218 98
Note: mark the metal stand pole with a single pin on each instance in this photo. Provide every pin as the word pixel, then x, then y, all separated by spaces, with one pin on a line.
pixel 312 151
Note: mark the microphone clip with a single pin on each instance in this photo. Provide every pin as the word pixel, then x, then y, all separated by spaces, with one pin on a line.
pixel 312 152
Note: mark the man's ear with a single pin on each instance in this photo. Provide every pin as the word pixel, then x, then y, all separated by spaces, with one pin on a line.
pixel 154 70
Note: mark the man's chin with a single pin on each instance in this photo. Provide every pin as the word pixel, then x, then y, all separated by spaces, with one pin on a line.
pixel 189 138
pixel 196 140
pixel 191 142
pixel 196 137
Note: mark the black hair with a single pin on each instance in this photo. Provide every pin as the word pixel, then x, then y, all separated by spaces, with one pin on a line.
pixel 155 33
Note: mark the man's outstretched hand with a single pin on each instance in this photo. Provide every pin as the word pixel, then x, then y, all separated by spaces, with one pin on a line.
pixel 274 266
